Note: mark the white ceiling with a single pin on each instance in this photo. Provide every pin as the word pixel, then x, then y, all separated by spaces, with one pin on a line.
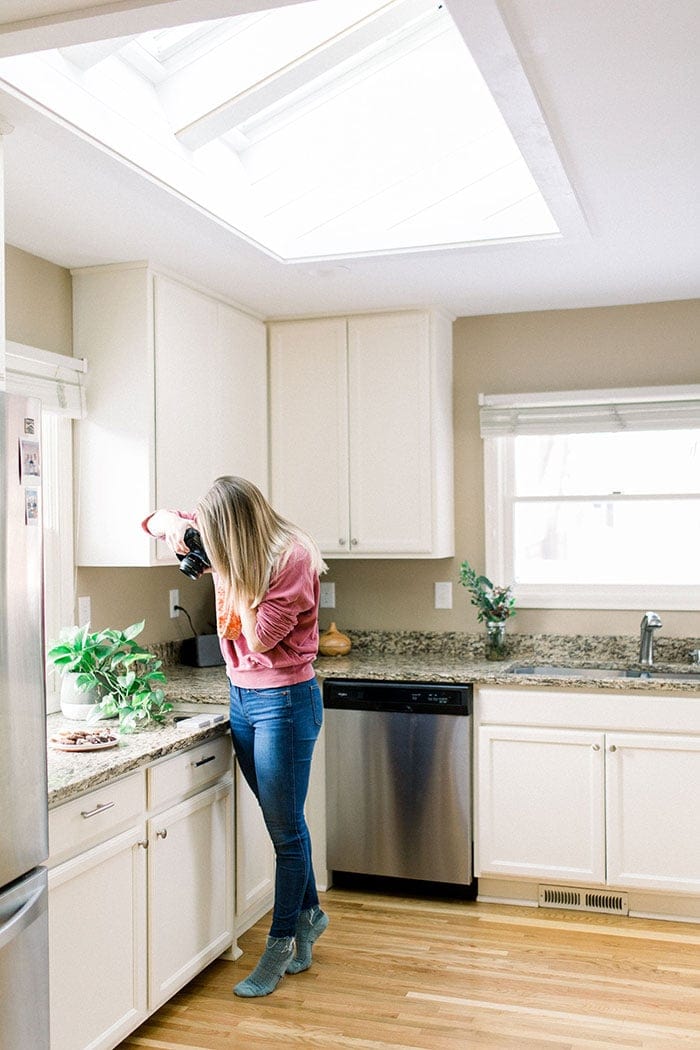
pixel 617 85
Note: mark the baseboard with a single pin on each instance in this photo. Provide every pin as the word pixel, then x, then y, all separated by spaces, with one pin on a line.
pixel 643 904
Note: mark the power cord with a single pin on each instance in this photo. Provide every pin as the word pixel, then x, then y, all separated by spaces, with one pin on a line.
pixel 181 608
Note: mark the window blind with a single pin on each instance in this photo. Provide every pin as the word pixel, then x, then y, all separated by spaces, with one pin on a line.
pixel 58 380
pixel 586 411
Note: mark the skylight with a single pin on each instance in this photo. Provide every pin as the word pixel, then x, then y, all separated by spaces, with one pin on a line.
pixel 316 130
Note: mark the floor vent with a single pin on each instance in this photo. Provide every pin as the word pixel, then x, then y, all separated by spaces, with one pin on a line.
pixel 583 900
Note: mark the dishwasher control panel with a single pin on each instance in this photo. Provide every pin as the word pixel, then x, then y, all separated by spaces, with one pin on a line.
pixel 439 698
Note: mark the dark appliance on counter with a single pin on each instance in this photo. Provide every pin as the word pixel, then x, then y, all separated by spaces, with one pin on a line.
pixel 398 779
pixel 24 966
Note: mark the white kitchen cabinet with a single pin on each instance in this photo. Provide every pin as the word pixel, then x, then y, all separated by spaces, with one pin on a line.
pixel 255 859
pixel 97 945
pixel 541 803
pixel 97 917
pixel 653 811
pixel 190 883
pixel 177 395
pixel 589 788
pixel 140 893
pixel 361 442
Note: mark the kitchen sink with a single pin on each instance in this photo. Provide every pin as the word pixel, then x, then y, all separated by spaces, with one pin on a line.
pixel 552 671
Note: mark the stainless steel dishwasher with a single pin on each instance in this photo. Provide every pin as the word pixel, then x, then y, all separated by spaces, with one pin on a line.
pixel 398 779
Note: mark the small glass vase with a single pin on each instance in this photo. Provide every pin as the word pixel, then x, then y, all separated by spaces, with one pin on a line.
pixel 496 644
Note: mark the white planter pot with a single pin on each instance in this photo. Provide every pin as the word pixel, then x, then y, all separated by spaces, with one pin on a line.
pixel 76 704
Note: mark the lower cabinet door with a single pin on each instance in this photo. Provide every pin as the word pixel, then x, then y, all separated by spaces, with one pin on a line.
pixel 541 803
pixel 190 889
pixel 255 859
pixel 97 944
pixel 653 793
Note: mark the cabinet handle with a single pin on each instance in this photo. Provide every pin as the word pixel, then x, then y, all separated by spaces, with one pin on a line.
pixel 144 844
pixel 162 834
pixel 596 747
pixel 100 808
pixel 353 543
pixel 612 747
pixel 203 761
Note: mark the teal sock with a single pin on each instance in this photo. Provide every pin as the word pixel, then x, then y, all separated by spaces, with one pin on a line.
pixel 266 975
pixel 310 926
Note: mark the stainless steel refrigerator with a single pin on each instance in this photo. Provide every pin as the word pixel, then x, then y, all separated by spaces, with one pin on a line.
pixel 24 967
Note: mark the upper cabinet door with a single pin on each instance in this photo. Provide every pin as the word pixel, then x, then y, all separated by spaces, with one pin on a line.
pixel 390 434
pixel 211 399
pixel 309 428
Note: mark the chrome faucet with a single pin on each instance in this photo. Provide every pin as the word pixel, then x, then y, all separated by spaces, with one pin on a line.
pixel 650 623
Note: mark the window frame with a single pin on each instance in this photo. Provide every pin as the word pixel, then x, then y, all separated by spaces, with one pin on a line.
pixel 504 416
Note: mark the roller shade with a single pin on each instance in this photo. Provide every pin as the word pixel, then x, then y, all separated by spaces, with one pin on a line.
pixel 58 380
pixel 590 411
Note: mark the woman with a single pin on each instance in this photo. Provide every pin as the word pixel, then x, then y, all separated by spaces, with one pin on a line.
pixel 266 577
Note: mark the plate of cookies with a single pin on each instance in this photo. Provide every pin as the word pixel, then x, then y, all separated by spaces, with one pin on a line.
pixel 83 740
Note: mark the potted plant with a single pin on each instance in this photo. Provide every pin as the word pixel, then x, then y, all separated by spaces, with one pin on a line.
pixel 123 679
pixel 495 605
pixel 76 655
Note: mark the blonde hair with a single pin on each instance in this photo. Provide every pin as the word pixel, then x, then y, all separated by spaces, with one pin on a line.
pixel 246 539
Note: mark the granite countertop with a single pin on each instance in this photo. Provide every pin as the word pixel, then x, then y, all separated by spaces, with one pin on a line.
pixel 72 773
pixel 431 657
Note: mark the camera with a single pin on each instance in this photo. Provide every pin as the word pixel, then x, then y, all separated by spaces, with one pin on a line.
pixel 194 563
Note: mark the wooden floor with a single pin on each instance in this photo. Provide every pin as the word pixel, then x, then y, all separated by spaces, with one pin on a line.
pixel 392 972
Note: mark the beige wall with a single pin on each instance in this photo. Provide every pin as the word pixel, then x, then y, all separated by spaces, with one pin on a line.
pixel 550 350
pixel 38 302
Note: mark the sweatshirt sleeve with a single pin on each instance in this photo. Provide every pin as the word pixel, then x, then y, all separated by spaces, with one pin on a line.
pixel 291 593
pixel 188 515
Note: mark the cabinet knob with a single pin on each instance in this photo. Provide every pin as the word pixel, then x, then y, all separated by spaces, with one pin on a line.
pixel 341 542
pixel 353 543
pixel 596 747
pixel 163 834
pixel 144 844
pixel 612 748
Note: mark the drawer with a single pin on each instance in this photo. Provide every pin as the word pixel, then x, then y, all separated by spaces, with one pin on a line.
pixel 180 775
pixel 86 821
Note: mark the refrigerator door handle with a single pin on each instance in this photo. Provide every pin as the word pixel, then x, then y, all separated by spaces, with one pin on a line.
pixel 22 919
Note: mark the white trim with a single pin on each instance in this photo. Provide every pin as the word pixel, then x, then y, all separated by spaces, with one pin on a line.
pixel 593 397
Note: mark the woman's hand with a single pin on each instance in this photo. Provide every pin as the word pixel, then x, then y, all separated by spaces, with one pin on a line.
pixel 170 527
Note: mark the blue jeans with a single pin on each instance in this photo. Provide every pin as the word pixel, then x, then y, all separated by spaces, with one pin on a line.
pixel 274 732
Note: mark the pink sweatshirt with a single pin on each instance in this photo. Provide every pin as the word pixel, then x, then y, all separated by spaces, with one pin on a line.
pixel 287 621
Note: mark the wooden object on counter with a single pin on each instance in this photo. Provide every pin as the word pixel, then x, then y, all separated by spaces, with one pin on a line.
pixel 333 642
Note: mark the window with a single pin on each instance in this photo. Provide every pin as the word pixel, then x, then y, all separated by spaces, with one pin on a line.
pixel 57 381
pixel 593 497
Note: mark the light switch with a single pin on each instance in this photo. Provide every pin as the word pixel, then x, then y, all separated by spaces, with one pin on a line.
pixel 443 595
pixel 84 611
pixel 327 596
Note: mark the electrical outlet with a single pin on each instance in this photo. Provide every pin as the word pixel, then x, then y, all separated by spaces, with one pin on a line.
pixel 174 600
pixel 443 595
pixel 327 596
pixel 84 611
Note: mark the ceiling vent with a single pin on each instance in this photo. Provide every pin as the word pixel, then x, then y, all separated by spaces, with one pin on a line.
pixel 577 898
